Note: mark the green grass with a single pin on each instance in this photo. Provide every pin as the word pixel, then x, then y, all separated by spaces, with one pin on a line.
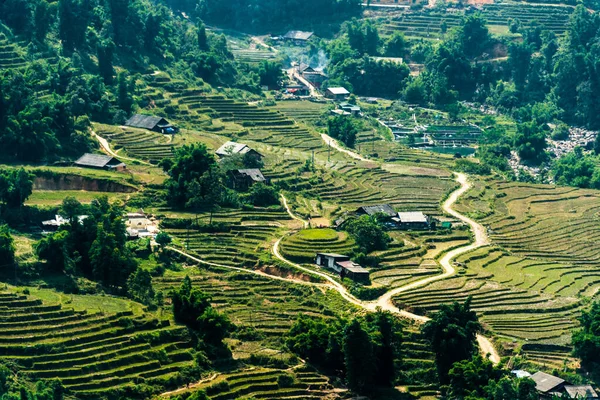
pixel 51 197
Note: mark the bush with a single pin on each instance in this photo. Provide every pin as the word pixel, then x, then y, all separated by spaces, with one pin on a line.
pixel 285 381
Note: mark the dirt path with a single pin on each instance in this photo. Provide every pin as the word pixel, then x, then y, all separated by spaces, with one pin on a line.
pixel 291 214
pixel 295 75
pixel 107 149
pixel 329 141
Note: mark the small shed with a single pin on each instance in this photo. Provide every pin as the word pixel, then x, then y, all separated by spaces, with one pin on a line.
pixel 412 220
pixel 298 37
pixel 581 392
pixel 100 161
pixel 353 271
pixel 242 179
pixel 232 148
pixel 151 122
pixel 337 93
pixel 385 209
pixel 546 383
pixel 329 260
pixel 351 108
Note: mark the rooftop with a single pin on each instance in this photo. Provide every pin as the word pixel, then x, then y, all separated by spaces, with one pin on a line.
pixel 96 160
pixel 253 173
pixel 412 216
pixel 298 35
pixel 332 255
pixel 379 209
pixel 545 382
pixel 337 90
pixel 352 267
pixel 581 392
pixel 144 121
pixel 230 148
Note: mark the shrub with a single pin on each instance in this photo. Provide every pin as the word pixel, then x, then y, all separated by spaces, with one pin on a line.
pixel 285 381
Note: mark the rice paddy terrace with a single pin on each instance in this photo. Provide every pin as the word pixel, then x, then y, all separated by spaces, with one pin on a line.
pixel 138 143
pixel 92 353
pixel 428 24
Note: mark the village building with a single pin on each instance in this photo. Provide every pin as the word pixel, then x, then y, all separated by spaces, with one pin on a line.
pixel 349 108
pixel 337 93
pixel 581 392
pixel 233 148
pixel 52 225
pixel 296 90
pixel 152 123
pixel 337 111
pixel 412 220
pixel 242 179
pixel 298 37
pixel 547 385
pixel 384 209
pixel 100 161
pixel 343 266
pixel 139 225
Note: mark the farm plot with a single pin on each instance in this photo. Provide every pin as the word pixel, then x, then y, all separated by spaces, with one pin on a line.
pixel 90 352
pixel 303 246
pixel 305 111
pixel 138 143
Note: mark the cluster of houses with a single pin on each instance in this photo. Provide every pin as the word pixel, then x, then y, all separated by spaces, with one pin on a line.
pixel 242 179
pixel 137 224
pixel 550 386
pixel 342 265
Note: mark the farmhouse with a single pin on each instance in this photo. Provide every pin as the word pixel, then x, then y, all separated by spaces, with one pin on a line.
pixel 337 93
pixel 297 37
pixel 150 122
pixel 232 148
pixel 58 221
pixel 350 108
pixel 385 209
pixel 547 384
pixel 100 161
pixel 242 179
pixel 343 266
pixel 297 90
pixel 412 220
pixel 139 225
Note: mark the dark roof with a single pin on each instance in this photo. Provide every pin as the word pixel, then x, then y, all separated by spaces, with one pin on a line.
pixel 145 121
pixel 305 68
pixel 298 35
pixel 581 392
pixel 545 382
pixel 253 173
pixel 379 208
pixel 96 160
pixel 333 255
pixel 352 267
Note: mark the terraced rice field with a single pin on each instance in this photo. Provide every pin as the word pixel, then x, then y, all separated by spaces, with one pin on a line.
pixel 428 24
pixel 305 111
pixel 10 55
pixel 138 143
pixel 91 353
pixel 302 246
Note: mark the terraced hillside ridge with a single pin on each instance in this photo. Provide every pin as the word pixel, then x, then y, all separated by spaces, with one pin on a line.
pixel 303 246
pixel 11 56
pixel 138 143
pixel 91 353
pixel 428 24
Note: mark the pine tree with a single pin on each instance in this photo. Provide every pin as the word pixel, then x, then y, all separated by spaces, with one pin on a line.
pixel 358 357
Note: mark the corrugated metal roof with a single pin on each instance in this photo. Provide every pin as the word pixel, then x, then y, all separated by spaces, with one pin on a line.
pixel 353 267
pixel 413 216
pixel 581 392
pixel 144 121
pixel 545 382
pixel 338 90
pixel 253 173
pixel 230 148
pixel 379 208
pixel 95 160
pixel 298 35
pixel 332 255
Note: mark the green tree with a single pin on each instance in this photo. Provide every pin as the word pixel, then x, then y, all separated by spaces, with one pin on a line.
pixel 54 250
pixel 163 239
pixel 359 358
pixel 263 195
pixel 451 333
pixel 395 46
pixel 368 233
pixel 343 128
pixel 124 98
pixel 7 247
pixel 586 341
pixel 468 378
pixel 202 38
pixel 139 287
pixel 530 143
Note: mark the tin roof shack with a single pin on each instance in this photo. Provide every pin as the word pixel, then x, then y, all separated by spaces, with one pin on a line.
pixel 412 220
pixel 384 209
pixel 100 161
pixel 150 122
pixel 242 179
pixel 232 148
pixel 547 385
pixel 581 392
pixel 298 37
pixel 337 93
pixel 343 266
pixel 351 108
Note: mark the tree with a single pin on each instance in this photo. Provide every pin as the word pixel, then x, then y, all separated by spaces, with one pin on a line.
pixel 343 128
pixel 358 357
pixel 368 233
pixel 215 326
pixel 7 248
pixel 262 195
pixel 395 46
pixel 139 287
pixel 451 333
pixel 16 185
pixel 469 378
pixel 189 304
pixel 44 16
pixel 586 341
pixel 124 98
pixel 54 250
pixel 530 143
pixel 388 341
pixel 105 65
pixel 163 239
pixel 202 38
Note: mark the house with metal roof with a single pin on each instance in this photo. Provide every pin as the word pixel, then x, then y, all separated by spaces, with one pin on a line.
pixel 337 93
pixel 342 265
pixel 242 179
pixel 233 148
pixel 412 220
pixel 385 209
pixel 100 161
pixel 581 392
pixel 151 122
pixel 298 37
pixel 547 384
